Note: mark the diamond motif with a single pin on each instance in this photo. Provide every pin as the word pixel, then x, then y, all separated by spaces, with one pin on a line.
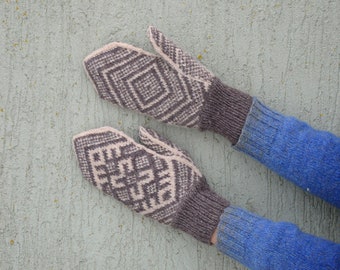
pixel 150 184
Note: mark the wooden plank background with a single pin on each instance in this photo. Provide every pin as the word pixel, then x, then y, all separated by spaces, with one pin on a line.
pixel 286 53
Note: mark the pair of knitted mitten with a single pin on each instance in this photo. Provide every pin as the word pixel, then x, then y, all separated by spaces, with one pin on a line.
pixel 171 86
pixel 155 178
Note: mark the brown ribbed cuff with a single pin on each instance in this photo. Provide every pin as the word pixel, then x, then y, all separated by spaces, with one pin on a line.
pixel 199 213
pixel 225 110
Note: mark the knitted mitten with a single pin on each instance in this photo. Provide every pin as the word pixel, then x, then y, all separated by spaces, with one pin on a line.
pixel 172 87
pixel 156 179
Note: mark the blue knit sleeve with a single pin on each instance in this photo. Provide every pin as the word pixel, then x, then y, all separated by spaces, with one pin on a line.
pixel 307 157
pixel 262 244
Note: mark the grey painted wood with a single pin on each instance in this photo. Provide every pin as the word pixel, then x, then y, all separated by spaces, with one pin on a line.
pixel 285 52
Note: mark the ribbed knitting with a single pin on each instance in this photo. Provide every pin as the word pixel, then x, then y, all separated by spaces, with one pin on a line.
pixel 261 244
pixel 199 213
pixel 307 157
pixel 225 110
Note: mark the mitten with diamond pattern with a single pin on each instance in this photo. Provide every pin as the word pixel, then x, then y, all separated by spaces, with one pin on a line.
pixel 170 86
pixel 155 178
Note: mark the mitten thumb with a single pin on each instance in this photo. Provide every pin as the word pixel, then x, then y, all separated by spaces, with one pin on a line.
pixel 176 57
pixel 152 140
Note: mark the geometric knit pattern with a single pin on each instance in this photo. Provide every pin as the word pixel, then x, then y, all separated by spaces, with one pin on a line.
pixel 169 87
pixel 151 182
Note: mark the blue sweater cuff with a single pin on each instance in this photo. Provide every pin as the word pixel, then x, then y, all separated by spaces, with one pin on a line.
pixel 260 131
pixel 259 243
pixel 309 158
pixel 234 232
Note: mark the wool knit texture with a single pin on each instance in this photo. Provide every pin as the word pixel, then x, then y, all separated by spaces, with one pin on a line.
pixel 156 179
pixel 260 244
pixel 171 86
pixel 225 111
pixel 307 157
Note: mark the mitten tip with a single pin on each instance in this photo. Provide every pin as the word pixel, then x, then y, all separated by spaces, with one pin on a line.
pixel 145 134
pixel 142 130
pixel 96 131
pixel 109 47
pixel 104 49
pixel 151 30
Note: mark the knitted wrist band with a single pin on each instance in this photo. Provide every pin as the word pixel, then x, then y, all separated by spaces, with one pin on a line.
pixel 225 110
pixel 200 212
